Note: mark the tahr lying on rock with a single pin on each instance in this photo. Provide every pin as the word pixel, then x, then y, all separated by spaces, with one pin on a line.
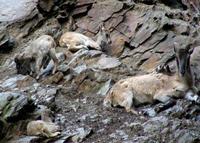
pixel 44 127
pixel 155 86
pixel 75 41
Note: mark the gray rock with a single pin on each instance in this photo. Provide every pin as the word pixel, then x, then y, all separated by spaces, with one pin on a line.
pixel 81 134
pixel 186 136
pixel 68 77
pixel 191 7
pixel 117 46
pixel 56 78
pixel 135 126
pixel 46 5
pixel 154 124
pixel 105 88
pixel 150 112
pixel 107 121
pixel 11 82
pixel 9 63
pixel 84 2
pixel 81 10
pixel 94 53
pixel 14 10
pixel 79 69
pixel 64 68
pixel 7 43
pixel 119 134
pixel 107 63
pixel 26 139
pixel 17 81
pixel 109 7
pixel 12 103
pixel 45 96
pixel 78 55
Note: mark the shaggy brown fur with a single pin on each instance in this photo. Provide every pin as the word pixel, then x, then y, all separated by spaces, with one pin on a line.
pixel 40 50
pixel 154 86
pixel 75 41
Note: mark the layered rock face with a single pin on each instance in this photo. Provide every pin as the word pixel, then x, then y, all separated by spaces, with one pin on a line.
pixel 142 33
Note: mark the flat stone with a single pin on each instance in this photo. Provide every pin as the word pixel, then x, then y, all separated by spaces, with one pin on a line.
pixel 31 25
pixel 64 68
pixel 44 96
pixel 104 10
pixel 81 10
pixel 12 103
pixel 150 112
pixel 107 63
pixel 149 62
pixel 114 21
pixel 186 136
pixel 81 134
pixel 61 68
pixel 7 43
pixel 105 88
pixel 13 10
pixel 130 23
pixel 119 134
pixel 46 5
pixel 189 6
pixel 152 23
pixel 117 46
pixel 27 81
pixel 166 45
pixel 88 24
pixel 80 69
pixel 18 81
pixel 26 139
pixel 156 123
pixel 84 2
pixel 54 78
pixel 94 53
pixel 152 42
pixel 181 27
pixel 143 34
pixel 107 121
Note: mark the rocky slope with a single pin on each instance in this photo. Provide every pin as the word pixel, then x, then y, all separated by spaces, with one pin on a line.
pixel 142 33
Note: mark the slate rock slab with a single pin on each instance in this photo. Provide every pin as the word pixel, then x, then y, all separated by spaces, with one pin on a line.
pixel 12 104
pixel 104 10
pixel 14 10
pixel 107 63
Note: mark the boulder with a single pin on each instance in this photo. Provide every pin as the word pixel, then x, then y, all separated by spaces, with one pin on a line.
pixel 105 88
pixel 107 63
pixel 53 79
pixel 13 105
pixel 102 11
pixel 117 46
pixel 45 95
pixel 46 5
pixel 81 134
pixel 7 42
pixel 14 10
pixel 26 139
pixel 18 81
